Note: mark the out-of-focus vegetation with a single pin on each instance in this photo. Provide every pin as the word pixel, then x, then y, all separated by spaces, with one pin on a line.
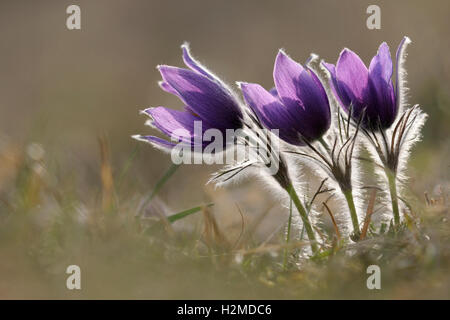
pixel 70 197
pixel 130 246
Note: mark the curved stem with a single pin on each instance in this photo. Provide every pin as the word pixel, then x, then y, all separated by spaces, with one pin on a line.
pixel 301 210
pixel 394 197
pixel 351 206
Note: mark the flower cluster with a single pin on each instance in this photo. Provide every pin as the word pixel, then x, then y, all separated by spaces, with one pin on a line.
pixel 323 114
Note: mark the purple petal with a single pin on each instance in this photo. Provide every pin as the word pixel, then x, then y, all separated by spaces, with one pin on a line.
pixel 381 64
pixel 175 124
pixel 274 92
pixel 286 74
pixel 334 83
pixel 303 95
pixel 204 97
pixel 313 95
pixel 193 64
pixel 382 105
pixel 311 106
pixel 353 80
pixel 167 88
pixel 270 112
pixel 157 142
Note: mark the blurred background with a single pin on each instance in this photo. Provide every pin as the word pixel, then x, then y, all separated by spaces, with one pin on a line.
pixel 63 89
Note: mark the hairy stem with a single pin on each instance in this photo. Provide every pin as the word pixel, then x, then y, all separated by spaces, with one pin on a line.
pixel 351 206
pixel 394 198
pixel 282 177
pixel 303 214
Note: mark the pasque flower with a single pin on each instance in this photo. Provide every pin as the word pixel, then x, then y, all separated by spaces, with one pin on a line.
pixel 371 96
pixel 206 99
pixel 369 90
pixel 297 106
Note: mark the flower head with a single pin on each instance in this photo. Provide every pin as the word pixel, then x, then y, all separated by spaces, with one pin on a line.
pixel 297 106
pixel 206 98
pixel 369 90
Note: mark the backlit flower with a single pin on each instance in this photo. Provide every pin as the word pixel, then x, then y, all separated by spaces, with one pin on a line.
pixel 371 90
pixel 297 106
pixel 207 101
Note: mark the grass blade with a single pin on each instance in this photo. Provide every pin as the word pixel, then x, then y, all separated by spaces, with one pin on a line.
pixel 172 169
pixel 180 215
pixel 288 236
pixel 127 165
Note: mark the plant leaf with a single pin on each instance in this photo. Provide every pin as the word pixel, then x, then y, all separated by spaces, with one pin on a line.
pixel 180 215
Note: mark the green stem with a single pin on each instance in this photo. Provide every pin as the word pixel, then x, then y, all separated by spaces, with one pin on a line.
pixel 301 210
pixel 394 198
pixel 351 206
pixel 325 145
pixel 288 236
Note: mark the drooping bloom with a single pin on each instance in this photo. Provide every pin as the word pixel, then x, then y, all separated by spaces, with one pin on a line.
pixel 209 104
pixel 298 105
pixel 371 90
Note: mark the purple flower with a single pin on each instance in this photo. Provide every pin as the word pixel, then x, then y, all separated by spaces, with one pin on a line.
pixel 206 98
pixel 297 106
pixel 369 90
